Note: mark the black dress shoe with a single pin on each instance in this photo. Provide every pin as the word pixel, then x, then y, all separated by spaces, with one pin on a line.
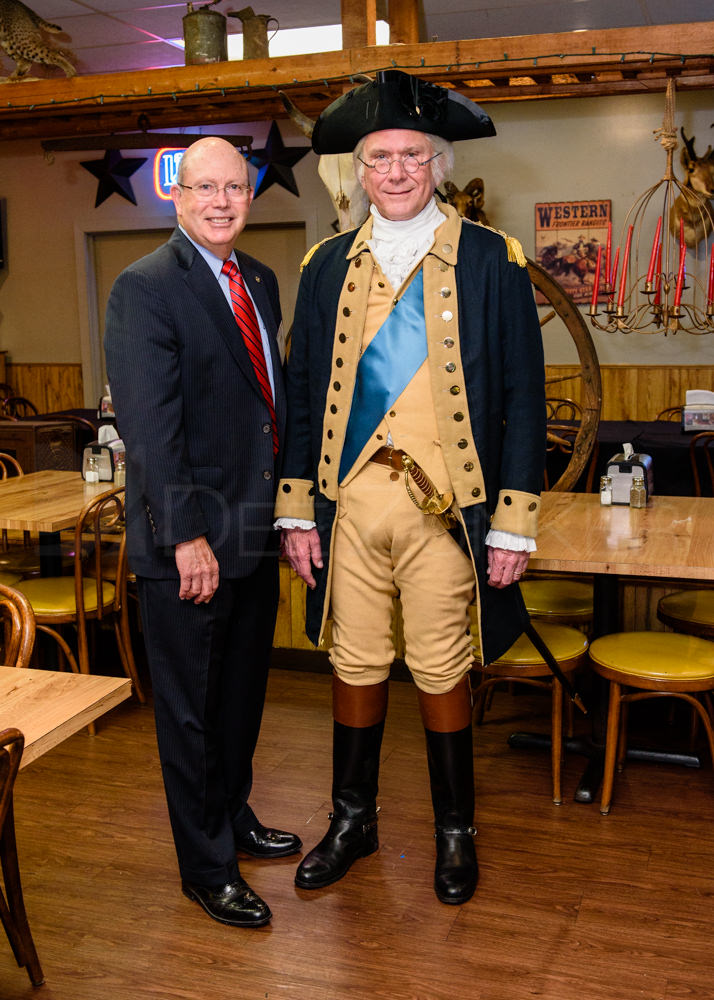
pixel 234 903
pixel 264 842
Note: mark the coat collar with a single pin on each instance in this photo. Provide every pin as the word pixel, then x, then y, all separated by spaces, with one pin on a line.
pixel 446 237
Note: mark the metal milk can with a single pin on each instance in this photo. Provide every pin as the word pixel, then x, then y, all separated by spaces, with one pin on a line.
pixel 205 35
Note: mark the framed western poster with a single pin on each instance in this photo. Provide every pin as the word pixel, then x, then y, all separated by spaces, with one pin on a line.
pixel 567 237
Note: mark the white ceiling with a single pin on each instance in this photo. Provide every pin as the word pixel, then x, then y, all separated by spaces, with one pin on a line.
pixel 115 35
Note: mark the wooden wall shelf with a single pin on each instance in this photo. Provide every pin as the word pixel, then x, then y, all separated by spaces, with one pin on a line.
pixel 523 67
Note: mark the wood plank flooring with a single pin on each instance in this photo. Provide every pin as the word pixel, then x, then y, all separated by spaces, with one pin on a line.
pixel 571 905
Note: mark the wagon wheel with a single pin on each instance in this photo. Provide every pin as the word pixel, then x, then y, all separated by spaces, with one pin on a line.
pixel 591 387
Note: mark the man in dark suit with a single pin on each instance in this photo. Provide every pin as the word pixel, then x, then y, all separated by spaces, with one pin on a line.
pixel 195 372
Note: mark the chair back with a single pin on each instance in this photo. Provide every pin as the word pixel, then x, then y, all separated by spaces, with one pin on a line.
pixel 19 627
pixel 12 743
pixel 701 459
pixel 670 413
pixel 563 409
pixel 9 466
pixel 559 438
pixel 100 525
pixel 18 407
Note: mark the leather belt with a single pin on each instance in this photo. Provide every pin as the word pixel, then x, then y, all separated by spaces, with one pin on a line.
pixel 389 456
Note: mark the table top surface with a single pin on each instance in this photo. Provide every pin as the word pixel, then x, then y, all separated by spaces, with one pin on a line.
pixel 50 500
pixel 673 537
pixel 48 706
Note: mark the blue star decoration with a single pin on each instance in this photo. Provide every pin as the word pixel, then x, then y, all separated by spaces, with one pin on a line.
pixel 274 162
pixel 113 173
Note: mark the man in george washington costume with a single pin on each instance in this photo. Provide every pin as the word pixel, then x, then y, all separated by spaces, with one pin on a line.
pixel 414 457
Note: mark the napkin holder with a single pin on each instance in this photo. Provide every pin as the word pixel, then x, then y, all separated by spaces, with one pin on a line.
pixel 623 468
pixel 108 451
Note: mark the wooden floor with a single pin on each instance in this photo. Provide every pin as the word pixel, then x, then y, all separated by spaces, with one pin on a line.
pixel 571 905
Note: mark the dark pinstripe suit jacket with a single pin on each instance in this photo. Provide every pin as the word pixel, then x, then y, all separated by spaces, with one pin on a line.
pixel 190 410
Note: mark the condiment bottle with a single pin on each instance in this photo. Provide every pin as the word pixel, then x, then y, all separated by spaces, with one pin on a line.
pixel 92 473
pixel 638 495
pixel 605 491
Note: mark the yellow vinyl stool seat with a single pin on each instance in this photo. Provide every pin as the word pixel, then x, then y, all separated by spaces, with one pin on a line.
pixel 690 611
pixel 565 601
pixel 8 579
pixel 55 595
pixel 523 663
pixel 642 665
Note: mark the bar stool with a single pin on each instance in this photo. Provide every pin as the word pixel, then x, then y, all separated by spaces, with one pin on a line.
pixel 563 600
pixel 523 664
pixel 643 665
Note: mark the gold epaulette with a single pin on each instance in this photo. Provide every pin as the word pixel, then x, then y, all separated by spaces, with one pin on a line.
pixel 308 256
pixel 513 246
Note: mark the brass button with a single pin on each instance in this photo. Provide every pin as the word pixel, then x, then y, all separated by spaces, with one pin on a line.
pixel 463 443
pixel 458 417
pixel 346 312
pixel 395 300
pixel 448 342
pixel 507 501
pixel 258 278
pixel 392 413
pixel 532 506
pixel 342 338
pixel 445 293
pixel 443 266
pixel 380 284
pixel 267 428
pixel 267 474
pixel 476 491
pixel 468 466
pixel 447 248
pixel 447 315
pixel 380 437
pixel 394 475
pixel 455 390
pixel 358 262
pixel 451 367
pixel 351 287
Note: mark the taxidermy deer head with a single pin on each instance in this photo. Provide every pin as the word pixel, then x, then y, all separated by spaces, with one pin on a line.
pixel 693 203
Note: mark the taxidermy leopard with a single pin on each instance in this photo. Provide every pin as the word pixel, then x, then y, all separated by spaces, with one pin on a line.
pixel 21 38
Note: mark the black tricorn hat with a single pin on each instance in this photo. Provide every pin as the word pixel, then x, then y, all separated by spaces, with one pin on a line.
pixel 398 100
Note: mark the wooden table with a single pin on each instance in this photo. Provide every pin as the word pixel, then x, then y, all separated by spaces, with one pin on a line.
pixel 47 501
pixel 48 706
pixel 672 538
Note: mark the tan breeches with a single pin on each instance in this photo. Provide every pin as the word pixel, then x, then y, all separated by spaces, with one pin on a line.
pixel 384 547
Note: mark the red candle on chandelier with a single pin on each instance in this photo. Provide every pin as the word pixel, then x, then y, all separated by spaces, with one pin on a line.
pixel 596 281
pixel 608 246
pixel 653 255
pixel 681 272
pixel 710 286
pixel 625 262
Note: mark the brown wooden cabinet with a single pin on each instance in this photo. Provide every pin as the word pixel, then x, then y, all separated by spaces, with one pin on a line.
pixel 40 444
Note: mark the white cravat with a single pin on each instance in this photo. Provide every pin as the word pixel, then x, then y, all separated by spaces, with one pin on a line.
pixel 399 246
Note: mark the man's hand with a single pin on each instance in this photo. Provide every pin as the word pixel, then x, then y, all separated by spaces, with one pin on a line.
pixel 198 569
pixel 505 566
pixel 302 549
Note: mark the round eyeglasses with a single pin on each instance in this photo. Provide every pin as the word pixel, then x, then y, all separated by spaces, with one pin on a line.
pixel 205 191
pixel 382 164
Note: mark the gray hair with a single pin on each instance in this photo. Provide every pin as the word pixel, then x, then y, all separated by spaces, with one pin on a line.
pixel 441 168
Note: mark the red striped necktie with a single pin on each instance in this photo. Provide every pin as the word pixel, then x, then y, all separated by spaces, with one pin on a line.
pixel 247 321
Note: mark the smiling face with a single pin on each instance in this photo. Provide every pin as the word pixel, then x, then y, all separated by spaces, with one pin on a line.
pixel 214 223
pixel 398 195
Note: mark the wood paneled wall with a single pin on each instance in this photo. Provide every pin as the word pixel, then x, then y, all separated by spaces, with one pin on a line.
pixel 49 387
pixel 632 392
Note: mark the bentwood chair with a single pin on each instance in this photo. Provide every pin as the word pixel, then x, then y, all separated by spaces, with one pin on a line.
pixel 95 592
pixel 645 665
pixel 701 459
pixel 18 627
pixel 670 413
pixel 18 408
pixel 12 905
pixel 523 664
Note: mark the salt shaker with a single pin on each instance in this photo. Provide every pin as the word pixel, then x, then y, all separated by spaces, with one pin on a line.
pixel 638 495
pixel 605 491
pixel 120 473
pixel 92 473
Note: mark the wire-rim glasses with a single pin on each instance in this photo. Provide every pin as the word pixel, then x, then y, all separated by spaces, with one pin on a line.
pixel 206 190
pixel 410 162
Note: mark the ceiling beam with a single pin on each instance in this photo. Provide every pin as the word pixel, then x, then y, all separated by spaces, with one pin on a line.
pixel 523 67
pixel 403 22
pixel 359 23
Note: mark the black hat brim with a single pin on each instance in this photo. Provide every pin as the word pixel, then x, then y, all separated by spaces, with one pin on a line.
pixel 398 100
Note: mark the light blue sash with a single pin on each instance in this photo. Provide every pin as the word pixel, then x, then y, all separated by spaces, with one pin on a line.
pixel 392 359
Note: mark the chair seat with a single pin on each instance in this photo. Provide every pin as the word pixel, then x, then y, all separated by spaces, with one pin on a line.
pixel 655 656
pixel 570 599
pixel 54 595
pixel 564 643
pixel 9 579
pixel 694 606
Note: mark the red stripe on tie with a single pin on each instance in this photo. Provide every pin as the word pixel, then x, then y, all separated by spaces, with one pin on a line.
pixel 247 321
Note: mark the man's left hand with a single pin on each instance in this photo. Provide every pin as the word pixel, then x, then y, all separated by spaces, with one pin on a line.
pixel 505 566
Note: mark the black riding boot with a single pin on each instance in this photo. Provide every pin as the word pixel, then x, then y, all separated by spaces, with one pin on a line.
pixel 451 770
pixel 353 828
